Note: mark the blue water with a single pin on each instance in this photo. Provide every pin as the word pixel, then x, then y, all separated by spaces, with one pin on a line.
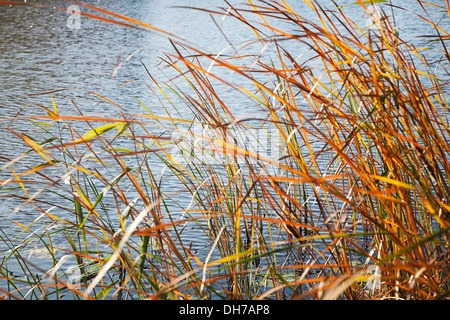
pixel 43 50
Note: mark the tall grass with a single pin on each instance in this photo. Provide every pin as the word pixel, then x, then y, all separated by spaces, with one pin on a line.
pixel 332 184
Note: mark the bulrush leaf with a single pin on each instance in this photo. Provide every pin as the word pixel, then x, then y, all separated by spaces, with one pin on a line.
pixel 333 165
pixel 94 133
pixel 103 193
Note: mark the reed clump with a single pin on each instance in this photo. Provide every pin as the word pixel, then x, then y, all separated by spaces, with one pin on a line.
pixel 329 180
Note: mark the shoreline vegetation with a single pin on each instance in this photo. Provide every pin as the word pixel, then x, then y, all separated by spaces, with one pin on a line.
pixel 333 183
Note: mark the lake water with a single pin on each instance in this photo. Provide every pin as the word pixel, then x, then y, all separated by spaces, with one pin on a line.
pixel 42 50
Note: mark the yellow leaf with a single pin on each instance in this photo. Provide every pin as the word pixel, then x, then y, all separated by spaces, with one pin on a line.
pixel 100 130
pixel 393 182
pixel 54 106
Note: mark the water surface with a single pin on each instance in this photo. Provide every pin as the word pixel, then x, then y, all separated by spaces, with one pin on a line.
pixel 41 50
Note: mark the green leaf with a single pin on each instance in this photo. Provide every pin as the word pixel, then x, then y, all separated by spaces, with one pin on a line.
pixel 121 150
pixel 54 107
pixel 101 130
pixel 364 2
pixel 47 164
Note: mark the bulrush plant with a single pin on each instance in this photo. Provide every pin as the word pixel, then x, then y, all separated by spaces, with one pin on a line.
pixel 330 181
